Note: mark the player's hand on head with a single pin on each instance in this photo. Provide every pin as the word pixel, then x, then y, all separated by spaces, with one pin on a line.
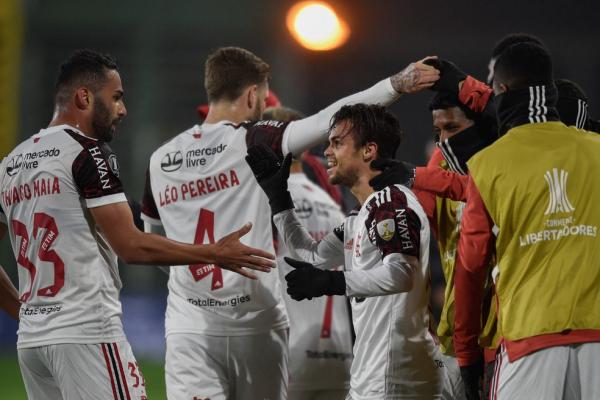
pixel 232 255
pixel 392 172
pixel 306 281
pixel 415 77
pixel 450 75
pixel 271 174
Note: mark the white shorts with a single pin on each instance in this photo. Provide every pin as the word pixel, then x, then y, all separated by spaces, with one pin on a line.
pixel 453 388
pixel 561 372
pixel 332 394
pixel 227 367
pixel 106 371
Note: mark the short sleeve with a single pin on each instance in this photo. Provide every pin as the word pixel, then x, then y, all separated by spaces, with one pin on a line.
pixel 393 226
pixel 269 133
pixel 96 173
pixel 149 210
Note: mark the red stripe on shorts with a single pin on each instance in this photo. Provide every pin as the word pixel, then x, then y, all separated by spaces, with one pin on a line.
pixel 112 380
pixel 123 379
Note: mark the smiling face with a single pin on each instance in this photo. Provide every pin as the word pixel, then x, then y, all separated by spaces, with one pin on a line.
pixel 450 121
pixel 344 159
pixel 109 108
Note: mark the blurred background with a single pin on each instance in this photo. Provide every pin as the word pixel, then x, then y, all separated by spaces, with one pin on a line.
pixel 161 47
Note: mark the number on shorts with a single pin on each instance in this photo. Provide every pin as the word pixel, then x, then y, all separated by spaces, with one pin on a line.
pixel 206 227
pixel 41 221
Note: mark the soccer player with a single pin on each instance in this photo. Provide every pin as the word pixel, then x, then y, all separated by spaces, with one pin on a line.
pixel 66 214
pixel 461 133
pixel 505 43
pixel 385 250
pixel 537 185
pixel 227 337
pixel 320 330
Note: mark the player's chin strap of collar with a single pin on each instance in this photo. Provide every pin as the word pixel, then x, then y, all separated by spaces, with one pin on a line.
pixel 530 105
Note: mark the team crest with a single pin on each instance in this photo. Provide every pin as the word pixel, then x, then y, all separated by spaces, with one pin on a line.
pixel 386 229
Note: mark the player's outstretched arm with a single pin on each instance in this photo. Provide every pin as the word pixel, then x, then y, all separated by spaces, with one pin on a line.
pixel 272 176
pixel 9 295
pixel 305 133
pixel 133 246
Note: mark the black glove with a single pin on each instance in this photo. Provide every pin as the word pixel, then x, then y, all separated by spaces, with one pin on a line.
pixel 306 281
pixel 450 75
pixel 272 176
pixel 392 172
pixel 472 376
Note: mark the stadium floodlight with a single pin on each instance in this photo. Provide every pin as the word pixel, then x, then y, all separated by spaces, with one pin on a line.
pixel 316 26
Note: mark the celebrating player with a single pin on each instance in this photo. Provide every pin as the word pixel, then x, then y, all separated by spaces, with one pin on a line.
pixel 385 250
pixel 320 330
pixel 546 245
pixel 67 216
pixel 220 328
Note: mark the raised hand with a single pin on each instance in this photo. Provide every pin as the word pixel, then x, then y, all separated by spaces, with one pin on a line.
pixel 415 77
pixel 272 175
pixel 234 256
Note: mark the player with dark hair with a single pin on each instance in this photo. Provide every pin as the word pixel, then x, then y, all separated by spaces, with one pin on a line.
pixel 68 219
pixel 226 337
pixel 320 341
pixel 385 250
pixel 506 42
pixel 538 198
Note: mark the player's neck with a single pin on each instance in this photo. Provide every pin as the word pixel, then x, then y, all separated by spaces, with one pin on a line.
pixel 361 188
pixel 63 117
pixel 226 111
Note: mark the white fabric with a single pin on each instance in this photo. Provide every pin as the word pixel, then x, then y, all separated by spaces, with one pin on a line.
pixel 87 308
pixel 308 132
pixel 394 354
pixel 555 373
pixel 320 349
pixel 225 190
pixel 250 367
pixel 81 371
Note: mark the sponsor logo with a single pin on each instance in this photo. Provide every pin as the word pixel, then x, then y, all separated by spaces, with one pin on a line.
pixel 113 164
pixel 198 157
pixel 231 302
pixel 171 161
pixel 328 355
pixel 558 202
pixel 557 187
pixel 274 124
pixel 14 165
pixel 386 229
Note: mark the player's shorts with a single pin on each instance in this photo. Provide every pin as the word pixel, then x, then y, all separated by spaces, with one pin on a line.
pixel 333 394
pixel 453 388
pixel 106 371
pixel 561 372
pixel 227 367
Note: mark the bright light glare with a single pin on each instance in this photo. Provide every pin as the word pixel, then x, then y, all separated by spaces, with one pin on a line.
pixel 316 26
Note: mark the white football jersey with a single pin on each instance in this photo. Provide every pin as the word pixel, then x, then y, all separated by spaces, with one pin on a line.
pixel 200 188
pixel 68 274
pixel 394 352
pixel 320 332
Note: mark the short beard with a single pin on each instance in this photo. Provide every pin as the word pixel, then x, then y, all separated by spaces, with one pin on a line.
pixel 101 121
pixel 348 180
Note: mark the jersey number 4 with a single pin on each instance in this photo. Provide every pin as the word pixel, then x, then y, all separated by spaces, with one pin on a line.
pixel 206 227
pixel 41 221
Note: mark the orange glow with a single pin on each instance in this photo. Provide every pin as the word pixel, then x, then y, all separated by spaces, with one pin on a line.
pixel 316 26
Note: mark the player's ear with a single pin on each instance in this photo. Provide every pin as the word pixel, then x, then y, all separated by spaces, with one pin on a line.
pixel 83 98
pixel 251 96
pixel 370 151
